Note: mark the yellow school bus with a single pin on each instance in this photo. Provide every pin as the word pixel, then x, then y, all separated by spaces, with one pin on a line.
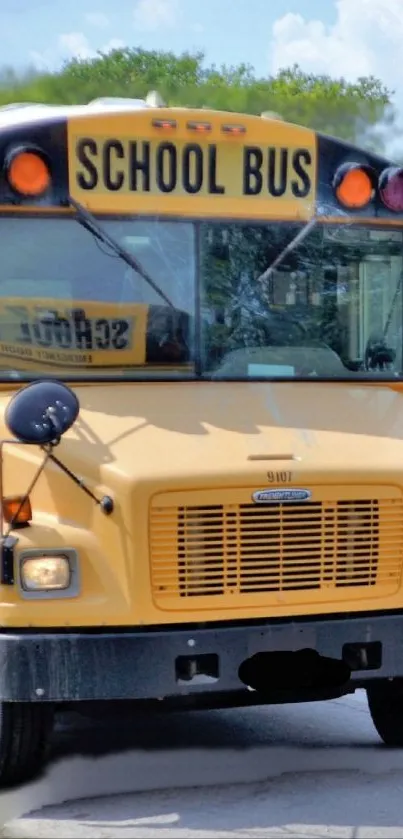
pixel 201 454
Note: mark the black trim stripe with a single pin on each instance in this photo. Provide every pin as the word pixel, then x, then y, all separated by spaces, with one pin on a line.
pixel 332 153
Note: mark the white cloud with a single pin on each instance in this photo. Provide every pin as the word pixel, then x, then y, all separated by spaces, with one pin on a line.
pixel 150 15
pixel 113 44
pixel 97 19
pixel 365 40
pixel 71 45
pixel 75 44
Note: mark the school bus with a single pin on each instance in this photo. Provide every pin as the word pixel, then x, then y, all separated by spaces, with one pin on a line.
pixel 201 416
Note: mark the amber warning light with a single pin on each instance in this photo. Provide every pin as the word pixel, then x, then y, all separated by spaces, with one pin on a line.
pixel 354 185
pixel 27 172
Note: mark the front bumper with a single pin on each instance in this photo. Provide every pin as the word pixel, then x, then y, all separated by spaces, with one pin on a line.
pixel 154 664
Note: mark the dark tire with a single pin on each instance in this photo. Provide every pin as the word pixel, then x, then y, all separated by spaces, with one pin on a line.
pixel 385 702
pixel 25 733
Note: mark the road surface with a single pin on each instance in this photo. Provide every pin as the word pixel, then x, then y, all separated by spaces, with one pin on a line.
pixel 314 770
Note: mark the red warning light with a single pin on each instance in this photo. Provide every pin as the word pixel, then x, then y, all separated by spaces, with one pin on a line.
pixel 391 188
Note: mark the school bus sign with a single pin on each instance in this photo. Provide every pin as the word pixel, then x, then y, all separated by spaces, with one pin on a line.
pixel 116 167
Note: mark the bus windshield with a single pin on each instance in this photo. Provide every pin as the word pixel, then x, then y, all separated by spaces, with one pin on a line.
pixel 331 307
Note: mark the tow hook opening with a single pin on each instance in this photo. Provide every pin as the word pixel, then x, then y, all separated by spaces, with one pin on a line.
pixel 303 670
pixel 197 669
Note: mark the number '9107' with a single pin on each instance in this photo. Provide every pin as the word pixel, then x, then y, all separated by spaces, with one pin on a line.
pixel 279 477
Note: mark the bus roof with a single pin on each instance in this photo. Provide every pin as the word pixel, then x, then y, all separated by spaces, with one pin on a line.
pixel 19 113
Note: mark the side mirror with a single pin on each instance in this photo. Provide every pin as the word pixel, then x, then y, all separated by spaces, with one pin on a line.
pixel 42 412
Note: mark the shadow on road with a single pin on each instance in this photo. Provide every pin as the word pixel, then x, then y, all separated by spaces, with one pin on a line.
pixel 319 769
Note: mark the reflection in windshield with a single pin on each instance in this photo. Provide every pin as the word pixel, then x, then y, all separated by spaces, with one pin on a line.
pixel 331 306
pixel 68 299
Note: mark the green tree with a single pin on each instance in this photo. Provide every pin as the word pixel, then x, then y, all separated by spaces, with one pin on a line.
pixel 351 111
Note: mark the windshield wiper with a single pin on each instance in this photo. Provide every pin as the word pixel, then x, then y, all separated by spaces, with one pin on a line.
pixel 87 220
pixel 300 236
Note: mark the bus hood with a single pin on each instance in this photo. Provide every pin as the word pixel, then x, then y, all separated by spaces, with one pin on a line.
pixel 193 433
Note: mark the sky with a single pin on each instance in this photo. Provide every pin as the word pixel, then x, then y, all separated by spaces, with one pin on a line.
pixel 340 37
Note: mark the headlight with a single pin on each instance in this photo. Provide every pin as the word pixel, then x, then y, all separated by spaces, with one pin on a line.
pixel 45 573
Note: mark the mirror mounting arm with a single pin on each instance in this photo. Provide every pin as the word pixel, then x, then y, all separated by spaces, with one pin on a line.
pixel 7 540
pixel 105 503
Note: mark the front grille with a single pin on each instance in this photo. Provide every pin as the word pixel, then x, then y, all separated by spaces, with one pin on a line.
pixel 227 550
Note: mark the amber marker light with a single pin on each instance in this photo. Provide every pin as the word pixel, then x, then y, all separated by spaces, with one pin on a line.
pixel 199 127
pixel 17 510
pixel 235 130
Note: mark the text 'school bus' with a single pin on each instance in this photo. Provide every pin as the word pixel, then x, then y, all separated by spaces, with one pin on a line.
pixel 201 365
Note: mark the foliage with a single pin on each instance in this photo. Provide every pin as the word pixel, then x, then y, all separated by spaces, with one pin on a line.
pixel 334 106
